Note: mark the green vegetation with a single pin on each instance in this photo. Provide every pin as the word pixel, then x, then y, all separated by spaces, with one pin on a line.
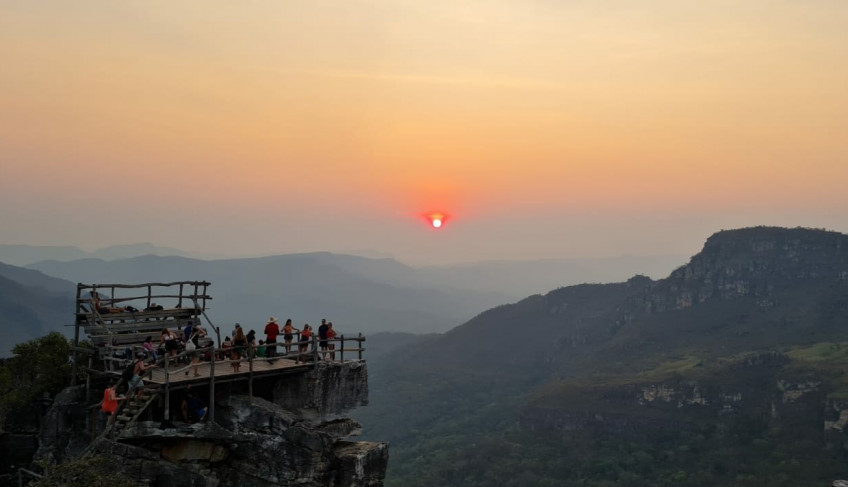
pixel 85 472
pixel 37 371
pixel 465 431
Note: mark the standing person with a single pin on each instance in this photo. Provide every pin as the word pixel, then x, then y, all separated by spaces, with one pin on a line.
pixel 322 338
pixel 171 344
pixel 331 335
pixel 192 349
pixel 272 329
pixel 251 343
pixel 110 401
pixel 288 334
pixel 188 330
pixel 305 336
pixel 239 344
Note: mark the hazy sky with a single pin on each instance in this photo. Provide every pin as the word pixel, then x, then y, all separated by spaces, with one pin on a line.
pixel 542 128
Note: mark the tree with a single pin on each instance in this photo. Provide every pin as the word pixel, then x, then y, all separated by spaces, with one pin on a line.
pixel 38 368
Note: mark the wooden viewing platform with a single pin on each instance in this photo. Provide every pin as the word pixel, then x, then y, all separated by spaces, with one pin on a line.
pixel 112 317
pixel 223 370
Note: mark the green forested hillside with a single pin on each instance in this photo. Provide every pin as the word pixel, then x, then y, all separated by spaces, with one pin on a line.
pixel 728 372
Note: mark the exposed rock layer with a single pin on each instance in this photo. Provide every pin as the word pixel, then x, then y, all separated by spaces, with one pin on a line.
pixel 298 439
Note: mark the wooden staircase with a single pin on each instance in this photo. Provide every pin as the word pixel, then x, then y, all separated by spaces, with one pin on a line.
pixel 133 408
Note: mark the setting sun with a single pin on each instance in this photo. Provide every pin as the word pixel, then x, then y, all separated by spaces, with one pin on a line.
pixel 436 219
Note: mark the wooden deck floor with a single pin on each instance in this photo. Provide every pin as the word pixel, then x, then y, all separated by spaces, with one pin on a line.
pixel 184 374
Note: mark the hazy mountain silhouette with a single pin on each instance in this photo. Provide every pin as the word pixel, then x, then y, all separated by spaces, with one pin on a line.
pixel 304 287
pixel 357 293
pixel 31 305
pixel 22 255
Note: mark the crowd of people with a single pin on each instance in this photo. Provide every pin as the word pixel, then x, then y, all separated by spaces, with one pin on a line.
pixel 194 341
pixel 280 341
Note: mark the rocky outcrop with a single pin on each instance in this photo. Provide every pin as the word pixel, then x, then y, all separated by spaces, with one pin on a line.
pixel 300 438
pixel 758 390
pixel 325 392
pixel 752 262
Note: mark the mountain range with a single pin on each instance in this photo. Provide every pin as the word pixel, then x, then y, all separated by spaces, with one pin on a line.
pixel 728 370
pixel 361 295
pixel 32 304
pixel 22 255
pixel 723 373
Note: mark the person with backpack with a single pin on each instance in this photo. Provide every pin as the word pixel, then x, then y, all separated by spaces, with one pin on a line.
pixel 138 368
pixel 322 338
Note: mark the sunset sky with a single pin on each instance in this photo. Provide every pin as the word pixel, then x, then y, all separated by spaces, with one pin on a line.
pixel 541 128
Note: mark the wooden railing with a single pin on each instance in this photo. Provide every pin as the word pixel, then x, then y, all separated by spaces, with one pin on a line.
pixel 218 358
pixel 123 328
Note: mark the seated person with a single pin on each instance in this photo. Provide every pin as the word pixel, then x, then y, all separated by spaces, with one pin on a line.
pixel 151 350
pixel 100 307
pixel 261 350
pixel 225 347
pixel 193 408
pixel 154 307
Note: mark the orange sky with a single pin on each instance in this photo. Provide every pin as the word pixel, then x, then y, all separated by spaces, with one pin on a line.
pixel 544 128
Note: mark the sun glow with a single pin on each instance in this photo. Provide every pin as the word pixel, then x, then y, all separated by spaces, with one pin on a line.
pixel 436 219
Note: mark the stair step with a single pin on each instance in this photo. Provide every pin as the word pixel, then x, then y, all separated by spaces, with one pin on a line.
pixel 124 418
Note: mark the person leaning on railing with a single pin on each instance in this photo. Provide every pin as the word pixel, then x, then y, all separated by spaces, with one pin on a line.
pixel 331 335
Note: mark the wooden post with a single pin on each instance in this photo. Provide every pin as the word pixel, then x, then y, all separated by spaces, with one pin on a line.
pixel 359 347
pixel 341 350
pixel 250 378
pixel 315 351
pixel 149 295
pixel 76 338
pixel 167 389
pixel 88 380
pixel 180 302
pixel 212 357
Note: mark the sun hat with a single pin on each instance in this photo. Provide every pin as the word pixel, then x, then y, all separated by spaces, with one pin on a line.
pixel 272 320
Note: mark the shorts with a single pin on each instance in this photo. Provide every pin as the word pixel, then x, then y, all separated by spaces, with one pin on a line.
pixel 135 383
pixel 287 337
pixel 171 345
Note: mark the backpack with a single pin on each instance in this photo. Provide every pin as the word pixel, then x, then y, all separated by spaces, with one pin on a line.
pixel 128 372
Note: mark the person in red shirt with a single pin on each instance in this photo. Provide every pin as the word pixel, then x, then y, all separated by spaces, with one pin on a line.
pixel 110 401
pixel 272 329
pixel 305 337
pixel 331 344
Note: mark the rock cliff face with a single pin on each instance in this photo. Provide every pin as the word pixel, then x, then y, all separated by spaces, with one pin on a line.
pixel 753 262
pixel 759 390
pixel 298 437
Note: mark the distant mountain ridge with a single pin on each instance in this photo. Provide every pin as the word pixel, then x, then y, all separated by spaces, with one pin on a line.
pixel 32 305
pixel 364 295
pixel 582 357
pixel 304 287
pixel 22 255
